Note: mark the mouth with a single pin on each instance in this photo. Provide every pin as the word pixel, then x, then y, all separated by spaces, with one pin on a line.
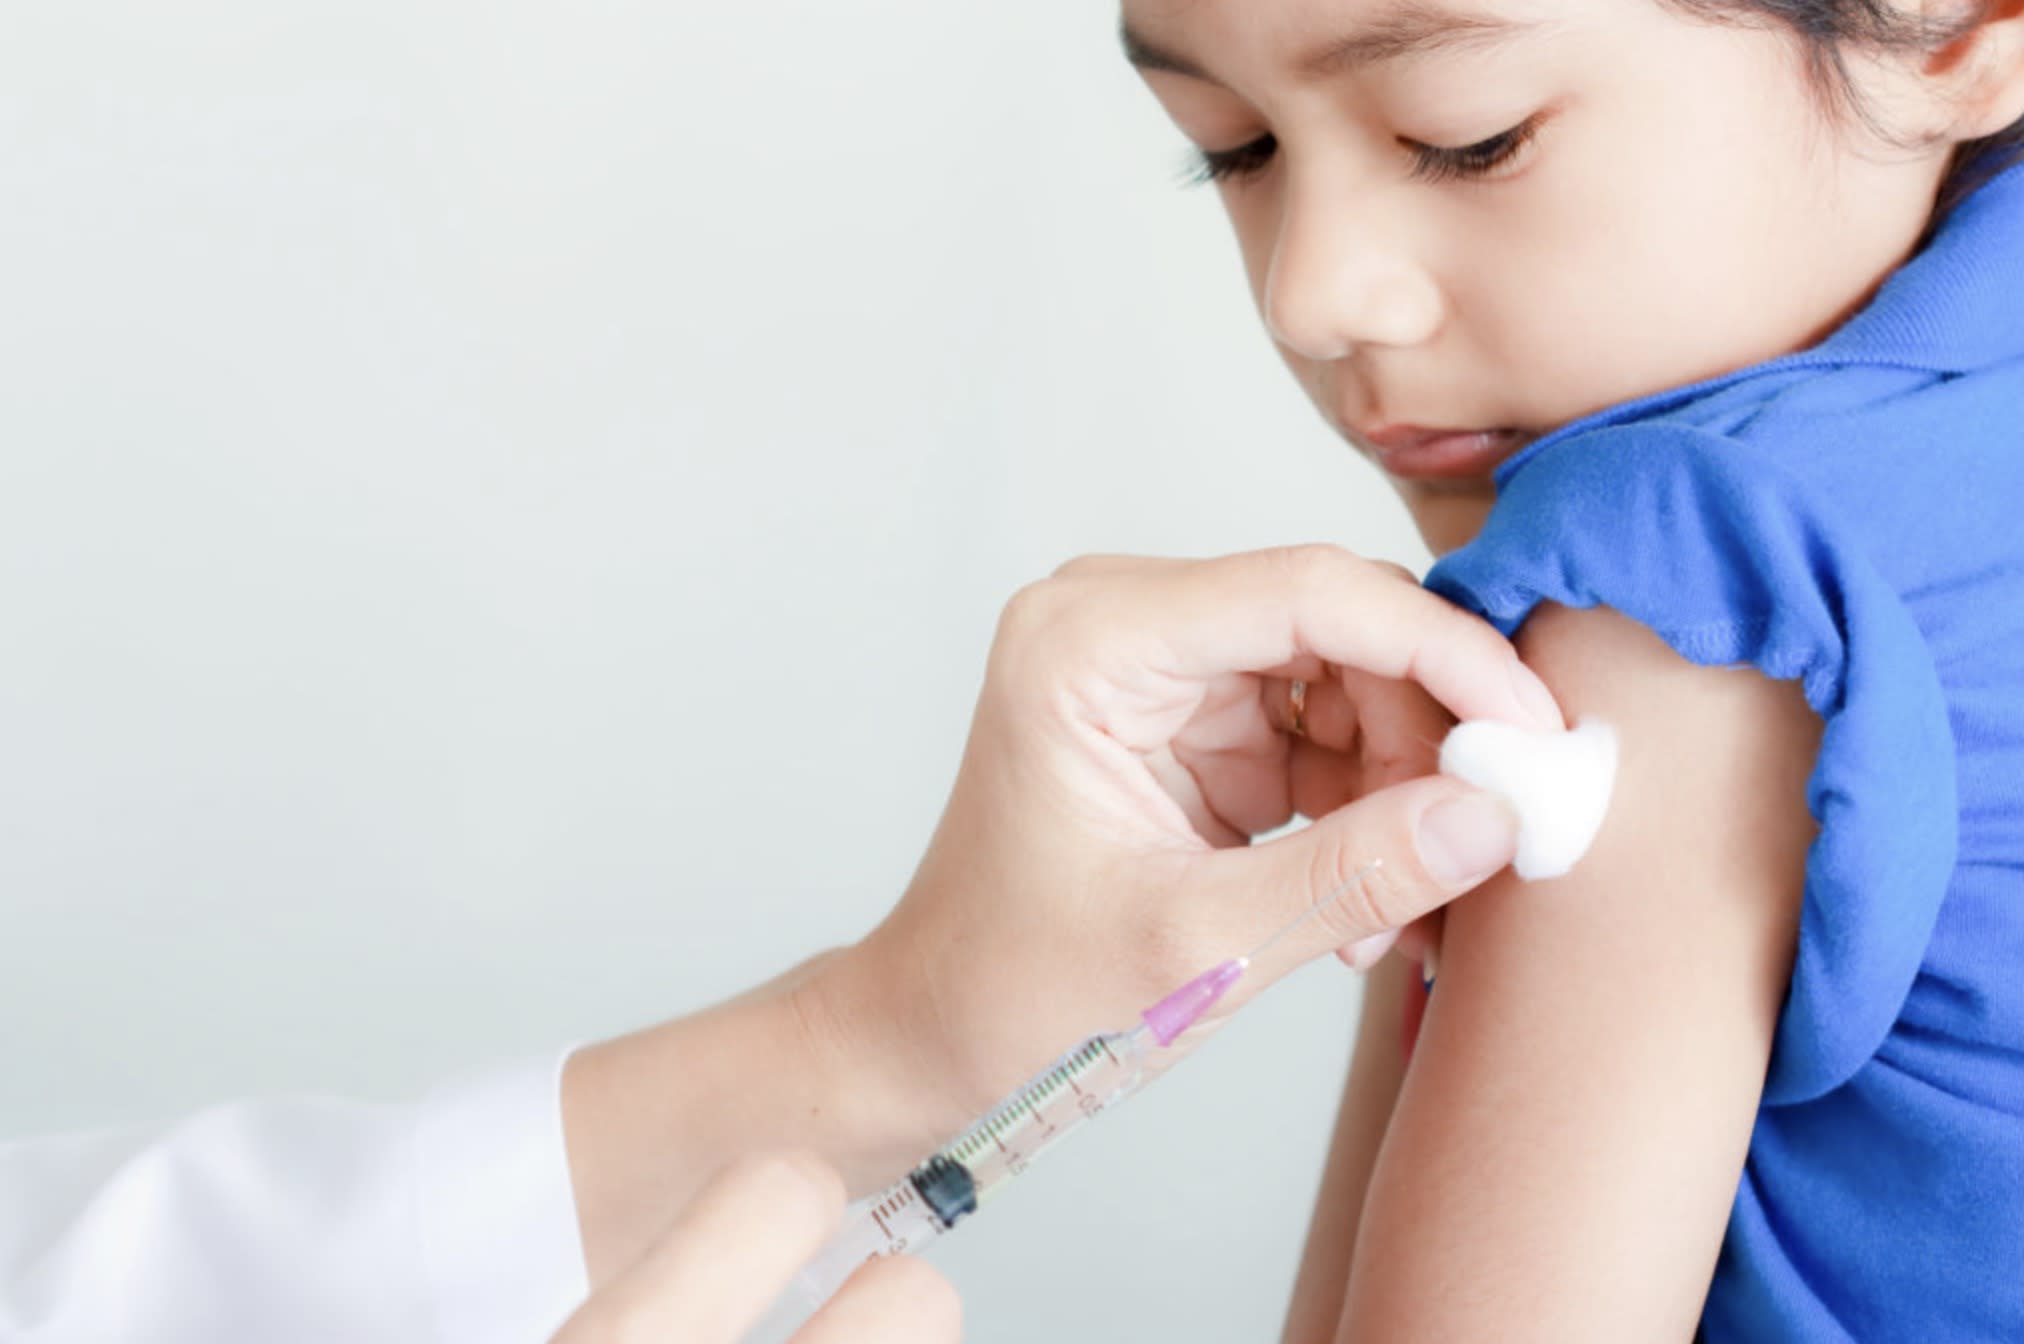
pixel 1413 452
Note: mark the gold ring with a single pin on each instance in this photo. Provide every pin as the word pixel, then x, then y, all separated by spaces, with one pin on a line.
pixel 1296 708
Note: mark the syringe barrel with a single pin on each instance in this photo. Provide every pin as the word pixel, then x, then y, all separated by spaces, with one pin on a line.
pixel 964 1173
pixel 891 1223
pixel 1056 1102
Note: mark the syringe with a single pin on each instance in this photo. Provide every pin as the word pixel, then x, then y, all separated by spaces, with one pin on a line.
pixel 963 1175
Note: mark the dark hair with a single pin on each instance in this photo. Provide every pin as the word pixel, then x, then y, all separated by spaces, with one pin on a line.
pixel 1829 27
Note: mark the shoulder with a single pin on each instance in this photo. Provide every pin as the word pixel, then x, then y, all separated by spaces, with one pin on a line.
pixel 1707 754
pixel 1603 662
pixel 1688 531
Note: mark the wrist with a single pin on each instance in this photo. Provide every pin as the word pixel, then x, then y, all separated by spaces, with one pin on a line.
pixel 862 1037
pixel 815 1059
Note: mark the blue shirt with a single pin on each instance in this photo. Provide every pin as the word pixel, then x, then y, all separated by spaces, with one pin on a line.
pixel 1851 516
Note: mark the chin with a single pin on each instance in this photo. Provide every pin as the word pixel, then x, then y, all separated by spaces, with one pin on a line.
pixel 1450 514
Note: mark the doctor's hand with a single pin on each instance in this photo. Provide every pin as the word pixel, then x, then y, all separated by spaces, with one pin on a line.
pixel 714 1274
pixel 1137 728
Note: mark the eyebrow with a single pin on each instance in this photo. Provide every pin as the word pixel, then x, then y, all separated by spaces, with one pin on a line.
pixel 1415 28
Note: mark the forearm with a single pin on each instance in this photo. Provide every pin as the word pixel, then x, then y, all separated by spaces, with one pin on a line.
pixel 799 1062
pixel 1374 1073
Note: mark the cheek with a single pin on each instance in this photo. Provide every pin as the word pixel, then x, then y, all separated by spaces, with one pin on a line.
pixel 1254 219
pixel 1648 252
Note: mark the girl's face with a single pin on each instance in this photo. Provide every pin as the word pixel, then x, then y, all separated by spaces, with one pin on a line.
pixel 1466 226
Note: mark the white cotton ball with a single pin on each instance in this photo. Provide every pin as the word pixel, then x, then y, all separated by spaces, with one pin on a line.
pixel 1558 783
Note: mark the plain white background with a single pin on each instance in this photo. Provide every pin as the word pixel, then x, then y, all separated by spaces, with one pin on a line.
pixel 502 511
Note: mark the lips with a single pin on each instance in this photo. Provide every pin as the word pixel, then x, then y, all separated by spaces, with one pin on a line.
pixel 1418 453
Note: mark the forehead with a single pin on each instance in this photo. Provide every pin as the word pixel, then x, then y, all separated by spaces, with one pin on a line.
pixel 1314 39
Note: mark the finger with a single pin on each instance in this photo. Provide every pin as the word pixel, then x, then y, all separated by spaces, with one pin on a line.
pixel 1323 714
pixel 1182 779
pixel 1322 780
pixel 1401 727
pixel 1275 699
pixel 1103 566
pixel 1244 790
pixel 1234 758
pixel 1365 953
pixel 1260 610
pixel 898 1300
pixel 1305 666
pixel 718 1268
pixel 1332 717
pixel 1430 840
pixel 1416 942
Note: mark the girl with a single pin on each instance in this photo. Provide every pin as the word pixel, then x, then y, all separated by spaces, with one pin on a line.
pixel 1692 334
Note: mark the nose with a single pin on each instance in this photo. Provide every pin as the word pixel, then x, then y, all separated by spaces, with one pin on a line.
pixel 1344 273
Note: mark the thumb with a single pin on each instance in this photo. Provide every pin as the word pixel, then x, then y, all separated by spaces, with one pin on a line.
pixel 1378 863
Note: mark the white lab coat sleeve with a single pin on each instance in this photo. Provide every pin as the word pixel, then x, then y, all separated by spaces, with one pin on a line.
pixel 447 1222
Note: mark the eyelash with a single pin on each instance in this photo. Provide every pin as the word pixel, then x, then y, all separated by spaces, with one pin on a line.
pixel 1431 163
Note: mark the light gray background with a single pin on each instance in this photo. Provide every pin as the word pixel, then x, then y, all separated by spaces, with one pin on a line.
pixel 502 511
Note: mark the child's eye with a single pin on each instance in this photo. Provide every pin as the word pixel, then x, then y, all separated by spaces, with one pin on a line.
pixel 1433 163
pixel 1223 165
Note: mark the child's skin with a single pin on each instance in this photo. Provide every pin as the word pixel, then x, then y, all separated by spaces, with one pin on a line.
pixel 1500 218
pixel 1678 168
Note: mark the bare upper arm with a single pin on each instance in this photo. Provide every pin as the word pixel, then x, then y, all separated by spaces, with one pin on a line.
pixel 1567 1142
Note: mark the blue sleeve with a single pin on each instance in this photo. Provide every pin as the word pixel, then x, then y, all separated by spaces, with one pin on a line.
pixel 1704 540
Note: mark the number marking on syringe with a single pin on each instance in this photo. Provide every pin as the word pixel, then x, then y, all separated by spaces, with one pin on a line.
pixel 1026 1106
pixel 889 1207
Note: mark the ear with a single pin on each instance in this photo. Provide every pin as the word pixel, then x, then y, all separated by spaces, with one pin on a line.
pixel 1982 70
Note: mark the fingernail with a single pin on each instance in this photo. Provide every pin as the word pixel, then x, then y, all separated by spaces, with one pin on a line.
pixel 1538 701
pixel 1465 839
pixel 1361 956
